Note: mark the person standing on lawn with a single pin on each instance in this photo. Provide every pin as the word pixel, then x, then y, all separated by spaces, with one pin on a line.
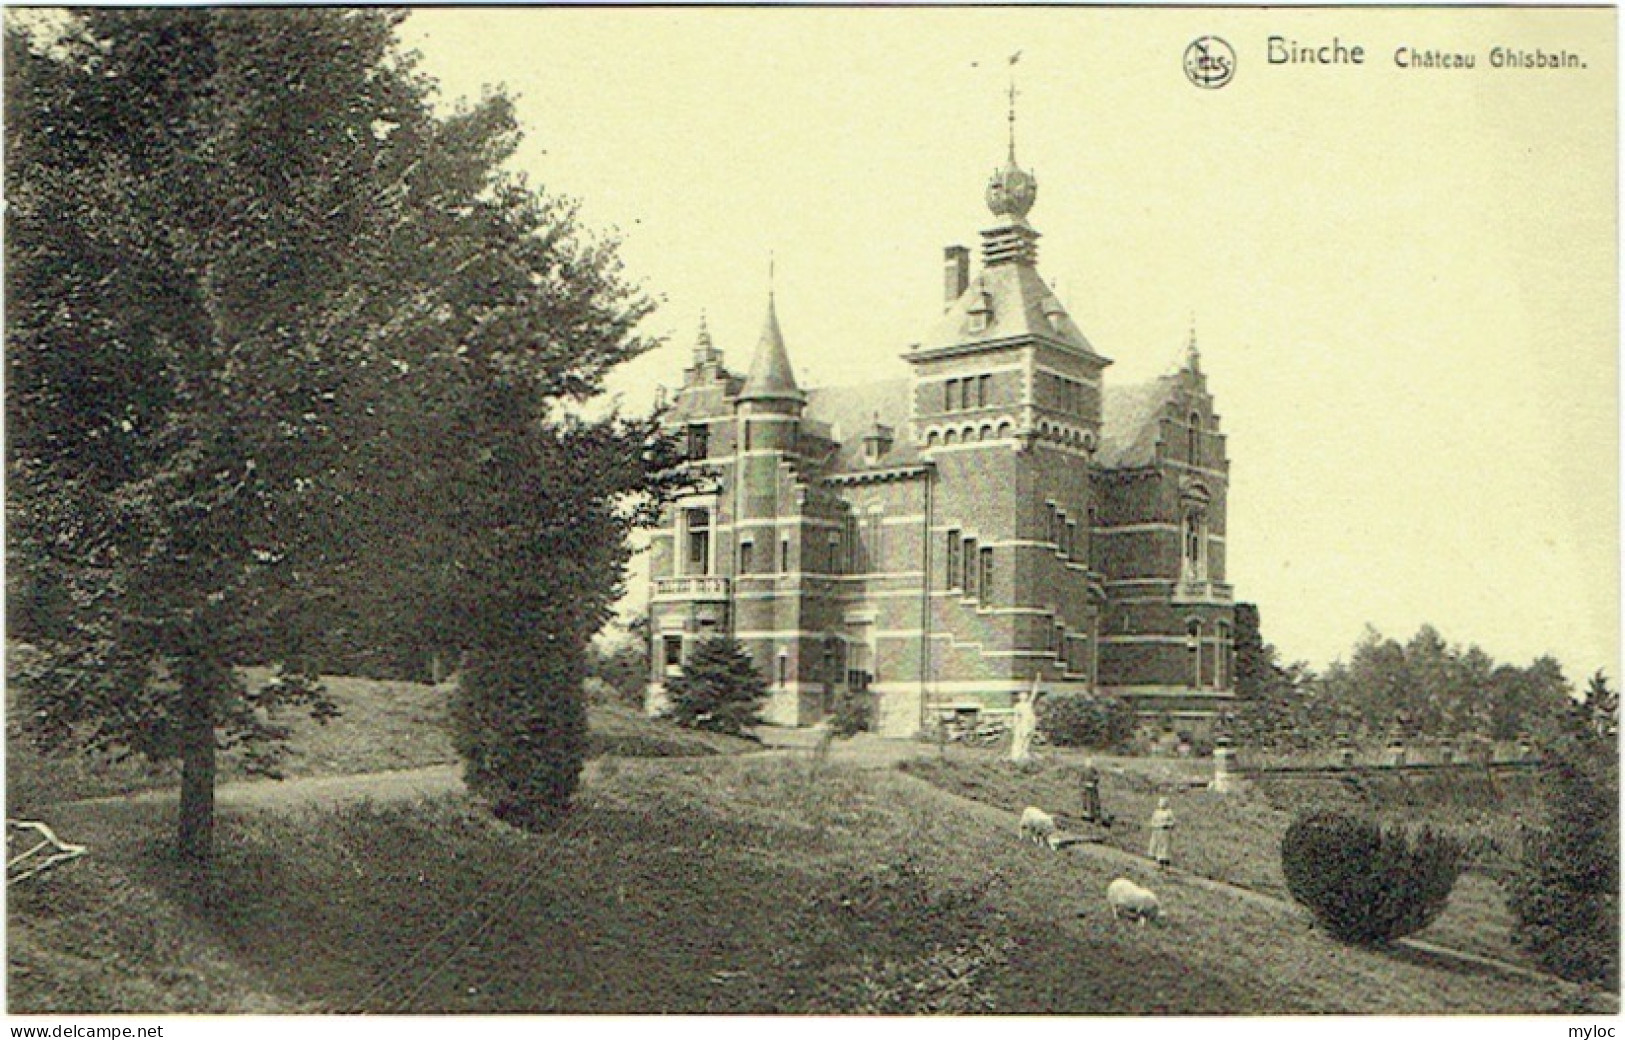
pixel 1090 780
pixel 1162 825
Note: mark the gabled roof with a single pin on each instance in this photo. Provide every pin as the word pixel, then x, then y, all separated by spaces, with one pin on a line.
pixel 1018 303
pixel 850 412
pixel 771 377
pixel 1130 422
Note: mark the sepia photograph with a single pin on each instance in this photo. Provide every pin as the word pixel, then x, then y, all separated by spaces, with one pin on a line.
pixel 1101 512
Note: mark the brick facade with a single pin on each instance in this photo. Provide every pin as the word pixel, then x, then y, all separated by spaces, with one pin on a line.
pixel 940 539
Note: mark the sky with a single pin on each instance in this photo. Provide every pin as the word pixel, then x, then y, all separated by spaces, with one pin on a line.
pixel 1403 280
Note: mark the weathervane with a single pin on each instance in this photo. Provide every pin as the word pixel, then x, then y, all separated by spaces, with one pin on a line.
pixel 1013 59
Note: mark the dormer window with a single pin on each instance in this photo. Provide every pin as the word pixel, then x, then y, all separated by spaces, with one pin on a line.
pixel 1055 315
pixel 877 442
pixel 979 315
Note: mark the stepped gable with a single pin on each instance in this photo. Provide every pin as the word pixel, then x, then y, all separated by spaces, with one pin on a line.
pixel 850 411
pixel 1131 418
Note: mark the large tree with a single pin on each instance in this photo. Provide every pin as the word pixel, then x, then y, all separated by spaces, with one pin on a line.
pixel 278 333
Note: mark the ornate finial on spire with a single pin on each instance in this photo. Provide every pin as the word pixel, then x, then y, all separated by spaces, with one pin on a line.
pixel 704 350
pixel 770 265
pixel 1193 356
pixel 1012 191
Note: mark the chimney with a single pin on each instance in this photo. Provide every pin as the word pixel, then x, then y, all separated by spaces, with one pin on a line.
pixel 955 273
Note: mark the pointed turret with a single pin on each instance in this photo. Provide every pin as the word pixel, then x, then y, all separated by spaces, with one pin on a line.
pixel 771 378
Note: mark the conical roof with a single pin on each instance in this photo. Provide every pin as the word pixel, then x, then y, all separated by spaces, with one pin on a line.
pixel 771 378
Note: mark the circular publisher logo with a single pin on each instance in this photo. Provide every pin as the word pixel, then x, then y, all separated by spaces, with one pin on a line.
pixel 1209 62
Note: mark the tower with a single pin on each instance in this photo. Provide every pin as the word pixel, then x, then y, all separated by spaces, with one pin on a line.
pixel 1007 407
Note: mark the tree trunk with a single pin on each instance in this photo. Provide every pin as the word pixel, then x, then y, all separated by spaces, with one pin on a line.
pixel 195 840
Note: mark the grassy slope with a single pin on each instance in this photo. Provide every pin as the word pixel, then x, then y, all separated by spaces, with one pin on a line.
pixel 383 725
pixel 729 885
pixel 1236 838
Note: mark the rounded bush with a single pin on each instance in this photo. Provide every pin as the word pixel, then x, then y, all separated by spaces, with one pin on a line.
pixel 520 724
pixel 1088 720
pixel 1365 883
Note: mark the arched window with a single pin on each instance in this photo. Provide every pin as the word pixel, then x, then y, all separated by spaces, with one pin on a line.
pixel 1194 555
pixel 1195 453
pixel 1221 657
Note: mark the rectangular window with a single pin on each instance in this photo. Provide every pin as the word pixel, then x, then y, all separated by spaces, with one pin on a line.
pixel 953 576
pixel 1060 642
pixel 698 440
pixel 834 548
pixel 672 653
pixel 951 396
pixel 877 541
pixel 1071 539
pixel 985 580
pixel 964 393
pixel 784 668
pixel 969 584
pixel 745 549
pixel 981 390
pixel 699 541
pixel 784 556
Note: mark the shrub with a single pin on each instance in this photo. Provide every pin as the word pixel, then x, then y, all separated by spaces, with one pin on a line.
pixel 1365 883
pixel 719 689
pixel 520 724
pixel 1566 893
pixel 1086 720
pixel 852 713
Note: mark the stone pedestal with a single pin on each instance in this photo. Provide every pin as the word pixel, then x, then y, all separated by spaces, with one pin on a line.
pixel 1224 777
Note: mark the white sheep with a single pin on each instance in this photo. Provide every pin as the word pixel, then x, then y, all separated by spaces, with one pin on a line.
pixel 1036 824
pixel 1128 899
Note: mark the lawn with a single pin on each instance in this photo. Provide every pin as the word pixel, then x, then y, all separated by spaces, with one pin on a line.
pixel 1236 837
pixel 382 725
pixel 727 884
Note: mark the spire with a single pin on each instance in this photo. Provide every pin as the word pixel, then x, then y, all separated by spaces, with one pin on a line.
pixel 771 378
pixel 1193 357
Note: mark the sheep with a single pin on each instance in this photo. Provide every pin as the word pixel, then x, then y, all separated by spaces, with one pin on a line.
pixel 1127 898
pixel 1036 824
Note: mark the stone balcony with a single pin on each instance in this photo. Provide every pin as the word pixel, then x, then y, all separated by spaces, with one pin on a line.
pixel 1215 592
pixel 704 588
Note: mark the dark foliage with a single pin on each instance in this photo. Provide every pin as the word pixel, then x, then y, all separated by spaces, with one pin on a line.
pixel 1565 894
pixel 1365 883
pixel 719 689
pixel 1090 720
pixel 521 728
pixel 619 673
pixel 291 361
pixel 852 713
